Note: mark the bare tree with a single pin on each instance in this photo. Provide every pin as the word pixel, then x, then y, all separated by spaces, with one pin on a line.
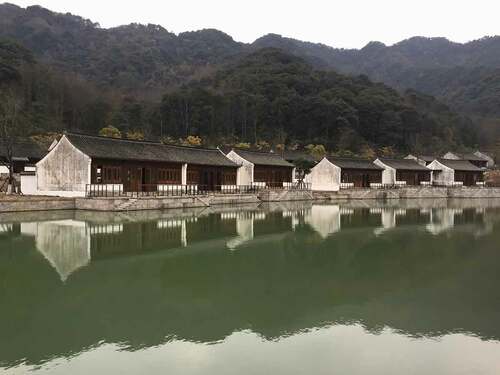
pixel 11 128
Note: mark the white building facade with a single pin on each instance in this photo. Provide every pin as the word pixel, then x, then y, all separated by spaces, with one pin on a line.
pixel 402 172
pixel 262 168
pixel 449 172
pixel 324 176
pixel 333 174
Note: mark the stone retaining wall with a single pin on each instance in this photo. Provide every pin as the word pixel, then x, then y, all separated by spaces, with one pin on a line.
pixel 161 203
pixel 49 204
pixel 132 204
pixel 202 202
pixel 410 193
pixel 284 195
pixel 474 193
pixel 231 199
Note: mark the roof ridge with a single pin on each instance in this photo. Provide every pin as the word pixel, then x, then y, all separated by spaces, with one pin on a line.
pixel 257 152
pixel 454 160
pixel 346 158
pixel 383 157
pixel 143 141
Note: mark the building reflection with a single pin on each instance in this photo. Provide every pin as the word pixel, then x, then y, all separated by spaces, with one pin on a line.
pixel 139 279
pixel 65 244
pixel 69 244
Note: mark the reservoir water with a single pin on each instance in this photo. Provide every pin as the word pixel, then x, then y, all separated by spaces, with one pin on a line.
pixel 408 287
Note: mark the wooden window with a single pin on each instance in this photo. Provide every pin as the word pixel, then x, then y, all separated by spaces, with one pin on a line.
pixel 229 178
pixel 346 177
pixel 260 175
pixel 110 175
pixel 193 177
pixel 169 176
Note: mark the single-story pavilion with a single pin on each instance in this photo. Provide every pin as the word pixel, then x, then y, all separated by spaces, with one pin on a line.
pixel 330 174
pixel 488 158
pixel 403 172
pixel 422 159
pixel 477 159
pixel 449 172
pixel 25 155
pixel 132 166
pixel 262 168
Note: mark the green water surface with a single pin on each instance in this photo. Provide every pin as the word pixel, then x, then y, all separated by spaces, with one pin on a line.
pixel 355 288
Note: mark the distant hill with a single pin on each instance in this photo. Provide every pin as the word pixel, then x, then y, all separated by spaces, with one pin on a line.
pixel 130 57
pixel 465 76
pixel 272 95
pixel 118 76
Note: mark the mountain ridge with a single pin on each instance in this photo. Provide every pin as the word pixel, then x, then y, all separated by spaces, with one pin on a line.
pixel 141 63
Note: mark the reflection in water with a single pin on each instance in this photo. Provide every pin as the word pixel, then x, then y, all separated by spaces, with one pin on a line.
pixel 443 220
pixel 290 284
pixel 64 243
pixel 325 220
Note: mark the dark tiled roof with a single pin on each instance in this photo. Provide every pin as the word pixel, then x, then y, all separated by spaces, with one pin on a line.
pixel 426 158
pixel 26 150
pixel 292 156
pixel 404 164
pixel 460 165
pixel 124 149
pixel 263 158
pixel 469 156
pixel 486 155
pixel 354 163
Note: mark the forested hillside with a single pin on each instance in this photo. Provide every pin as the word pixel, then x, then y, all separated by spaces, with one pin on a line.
pixel 465 76
pixel 271 95
pixel 133 57
pixel 74 75
pixel 265 98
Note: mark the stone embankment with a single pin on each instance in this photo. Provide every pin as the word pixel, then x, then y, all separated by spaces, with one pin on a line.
pixel 161 203
pixel 409 193
pixel 19 204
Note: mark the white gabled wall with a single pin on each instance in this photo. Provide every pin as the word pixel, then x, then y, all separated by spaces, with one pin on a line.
pixel 63 169
pixel 489 159
pixel 28 184
pixel 324 176
pixel 419 161
pixel 441 174
pixel 244 176
pixel 388 174
pixel 451 156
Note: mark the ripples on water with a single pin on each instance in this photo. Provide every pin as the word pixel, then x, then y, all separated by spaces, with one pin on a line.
pixel 355 288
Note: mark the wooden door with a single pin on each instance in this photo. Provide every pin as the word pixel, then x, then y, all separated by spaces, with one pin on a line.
pixel 366 180
pixel 137 179
pixel 133 180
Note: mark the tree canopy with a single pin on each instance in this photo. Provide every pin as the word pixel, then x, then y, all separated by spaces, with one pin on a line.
pixel 148 82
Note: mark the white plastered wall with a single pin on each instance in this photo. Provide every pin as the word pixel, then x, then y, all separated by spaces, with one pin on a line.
pixel 451 156
pixel 244 176
pixel 324 176
pixel 65 170
pixel 441 174
pixel 489 159
pixel 388 174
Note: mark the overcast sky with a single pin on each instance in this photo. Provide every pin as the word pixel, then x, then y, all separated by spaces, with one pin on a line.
pixel 339 23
